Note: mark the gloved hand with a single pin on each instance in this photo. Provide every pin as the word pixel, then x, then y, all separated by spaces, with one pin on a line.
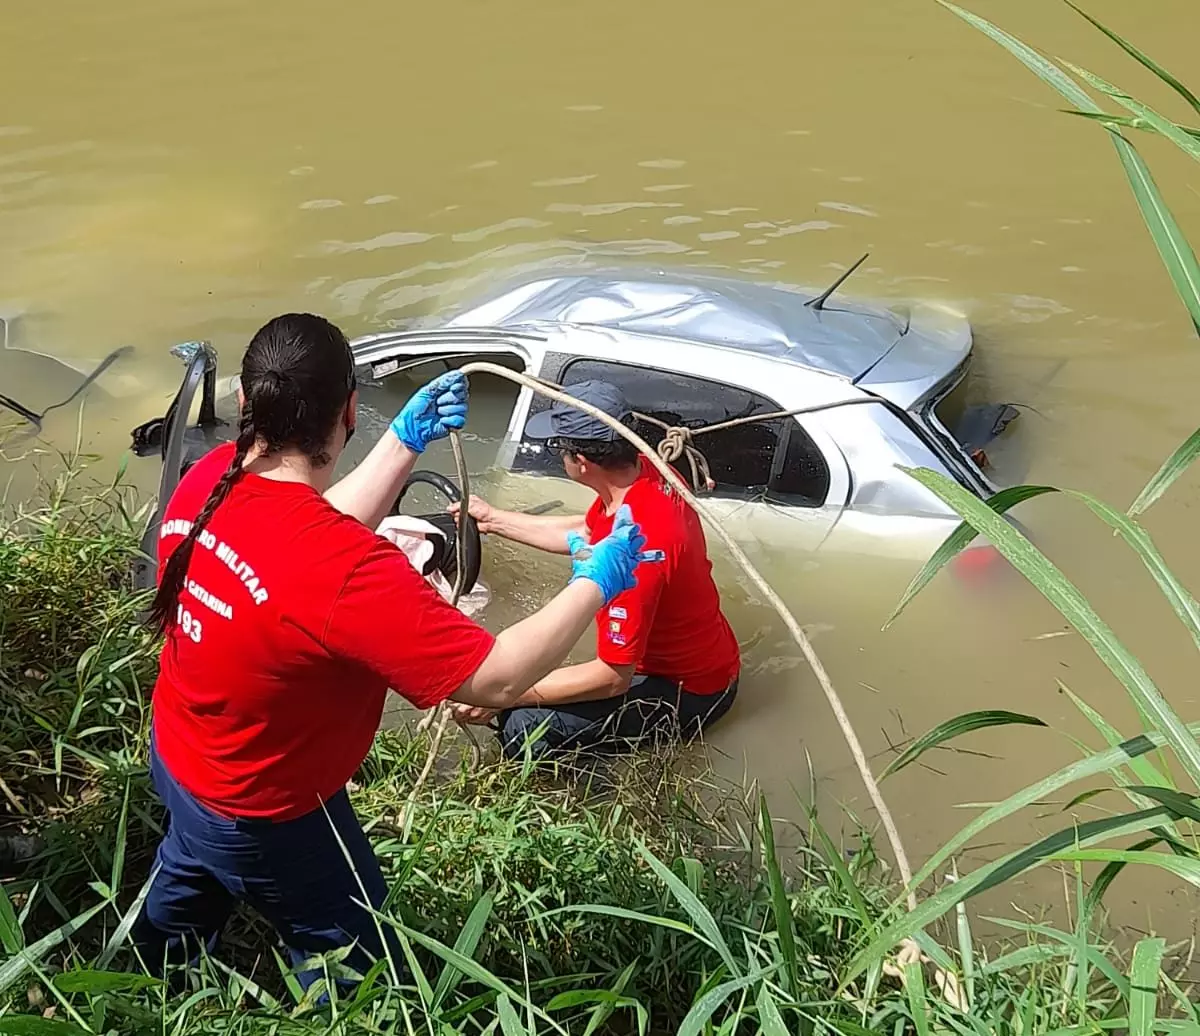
pixel 611 562
pixel 433 412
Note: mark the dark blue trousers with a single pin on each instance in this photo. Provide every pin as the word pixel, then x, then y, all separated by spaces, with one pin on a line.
pixel 294 873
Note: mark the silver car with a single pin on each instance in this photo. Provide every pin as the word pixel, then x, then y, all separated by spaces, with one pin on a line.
pixel 882 387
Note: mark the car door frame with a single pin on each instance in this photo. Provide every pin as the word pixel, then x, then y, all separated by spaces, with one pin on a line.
pixel 393 352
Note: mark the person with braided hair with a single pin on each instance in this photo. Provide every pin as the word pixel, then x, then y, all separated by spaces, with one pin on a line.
pixel 286 620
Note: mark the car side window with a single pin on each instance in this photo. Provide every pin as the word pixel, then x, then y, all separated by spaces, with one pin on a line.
pixel 774 459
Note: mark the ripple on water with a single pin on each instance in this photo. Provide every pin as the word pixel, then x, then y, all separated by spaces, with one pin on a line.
pixel 517 223
pixel 564 181
pixel 380 199
pixel 845 206
pixel 804 228
pixel 392 239
pixel 645 246
pixel 663 163
pixel 322 203
pixel 1032 309
pixel 610 208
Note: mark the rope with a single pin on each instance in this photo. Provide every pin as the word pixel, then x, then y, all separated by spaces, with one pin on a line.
pixel 556 394
pixel 677 440
pixel 441 715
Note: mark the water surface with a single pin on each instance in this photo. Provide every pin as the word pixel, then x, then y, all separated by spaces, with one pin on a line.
pixel 170 172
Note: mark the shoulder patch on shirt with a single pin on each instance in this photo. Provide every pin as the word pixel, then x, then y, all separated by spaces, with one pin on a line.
pixel 618 613
pixel 617 638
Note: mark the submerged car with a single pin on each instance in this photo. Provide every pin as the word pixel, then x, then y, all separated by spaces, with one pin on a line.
pixel 880 387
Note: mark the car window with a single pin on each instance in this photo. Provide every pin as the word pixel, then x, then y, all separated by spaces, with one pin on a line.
pixel 776 459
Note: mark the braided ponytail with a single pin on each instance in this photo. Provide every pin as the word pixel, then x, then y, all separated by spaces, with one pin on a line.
pixel 297 378
pixel 166 600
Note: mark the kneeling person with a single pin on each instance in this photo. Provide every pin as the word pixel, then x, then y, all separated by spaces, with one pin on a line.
pixel 667 661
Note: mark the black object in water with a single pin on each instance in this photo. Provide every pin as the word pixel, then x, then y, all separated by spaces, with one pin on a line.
pixel 33 416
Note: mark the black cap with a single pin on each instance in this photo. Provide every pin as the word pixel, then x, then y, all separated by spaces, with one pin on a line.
pixel 567 422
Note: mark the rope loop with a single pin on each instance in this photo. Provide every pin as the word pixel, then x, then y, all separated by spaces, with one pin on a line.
pixel 678 441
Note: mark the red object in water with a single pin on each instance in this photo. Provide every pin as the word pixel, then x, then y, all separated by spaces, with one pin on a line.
pixel 976 562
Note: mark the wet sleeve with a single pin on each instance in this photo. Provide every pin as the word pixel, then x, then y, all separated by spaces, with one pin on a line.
pixel 623 628
pixel 393 622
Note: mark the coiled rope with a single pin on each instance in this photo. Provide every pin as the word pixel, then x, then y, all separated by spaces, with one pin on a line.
pixel 678 442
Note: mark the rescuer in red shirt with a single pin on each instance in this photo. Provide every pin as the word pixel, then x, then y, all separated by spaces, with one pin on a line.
pixel 667 661
pixel 286 621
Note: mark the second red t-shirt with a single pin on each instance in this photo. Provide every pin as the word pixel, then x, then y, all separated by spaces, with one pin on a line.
pixel 671 623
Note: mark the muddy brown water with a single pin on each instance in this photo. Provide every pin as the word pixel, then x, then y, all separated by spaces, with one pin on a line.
pixel 170 172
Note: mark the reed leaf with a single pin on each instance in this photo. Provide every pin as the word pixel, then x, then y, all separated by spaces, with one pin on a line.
pixel 1125 121
pixel 698 1017
pixel 781 906
pixel 1178 596
pixel 1082 769
pixel 701 916
pixel 1150 119
pixel 956 727
pixel 1184 867
pixel 1140 57
pixel 1144 770
pixel 960 539
pixel 1143 985
pixel 36 1025
pixel 466 944
pixel 995 873
pixel 11 936
pixel 19 963
pixel 1172 245
pixel 1074 607
pixel 1162 480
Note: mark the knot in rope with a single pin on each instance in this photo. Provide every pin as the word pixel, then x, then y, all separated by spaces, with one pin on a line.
pixel 678 441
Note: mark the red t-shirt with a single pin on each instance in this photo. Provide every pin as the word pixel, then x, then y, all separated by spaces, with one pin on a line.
pixel 294 621
pixel 670 624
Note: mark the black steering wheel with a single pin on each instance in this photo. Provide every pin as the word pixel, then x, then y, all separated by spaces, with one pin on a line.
pixel 445 555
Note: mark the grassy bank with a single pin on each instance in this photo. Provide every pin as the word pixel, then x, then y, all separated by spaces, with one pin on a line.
pixel 654 902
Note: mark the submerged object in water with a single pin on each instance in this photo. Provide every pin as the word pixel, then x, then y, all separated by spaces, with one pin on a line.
pixel 40 371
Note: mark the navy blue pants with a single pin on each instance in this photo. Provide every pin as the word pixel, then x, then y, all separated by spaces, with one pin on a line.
pixel 294 873
pixel 654 710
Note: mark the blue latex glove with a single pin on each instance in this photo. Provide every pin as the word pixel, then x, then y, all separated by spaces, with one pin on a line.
pixel 433 412
pixel 611 562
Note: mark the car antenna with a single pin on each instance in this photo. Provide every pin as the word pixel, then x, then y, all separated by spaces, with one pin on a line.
pixel 820 300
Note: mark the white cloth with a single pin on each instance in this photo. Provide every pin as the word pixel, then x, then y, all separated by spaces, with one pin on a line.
pixel 414 537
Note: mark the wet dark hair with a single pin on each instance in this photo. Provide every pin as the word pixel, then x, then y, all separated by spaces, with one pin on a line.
pixel 611 456
pixel 297 376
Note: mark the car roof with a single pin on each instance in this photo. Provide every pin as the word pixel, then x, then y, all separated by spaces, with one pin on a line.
pixel 844 339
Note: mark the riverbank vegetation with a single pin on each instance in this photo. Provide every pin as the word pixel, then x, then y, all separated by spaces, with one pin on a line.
pixel 644 899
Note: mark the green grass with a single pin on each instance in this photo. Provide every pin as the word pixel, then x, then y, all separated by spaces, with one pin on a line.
pixel 654 900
